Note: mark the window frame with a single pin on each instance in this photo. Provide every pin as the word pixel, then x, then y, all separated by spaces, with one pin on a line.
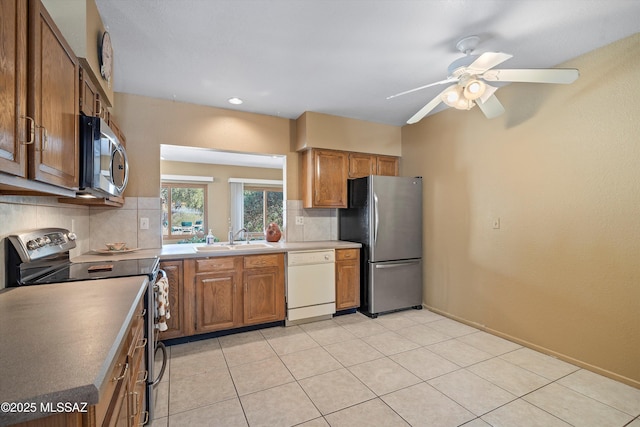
pixel 169 186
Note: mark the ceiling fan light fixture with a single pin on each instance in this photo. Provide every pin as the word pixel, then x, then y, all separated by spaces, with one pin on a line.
pixel 452 95
pixel 474 89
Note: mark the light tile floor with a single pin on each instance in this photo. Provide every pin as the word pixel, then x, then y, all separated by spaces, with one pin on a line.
pixel 411 368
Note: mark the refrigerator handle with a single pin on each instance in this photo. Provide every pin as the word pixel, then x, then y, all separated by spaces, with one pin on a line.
pixel 376 218
pixel 398 264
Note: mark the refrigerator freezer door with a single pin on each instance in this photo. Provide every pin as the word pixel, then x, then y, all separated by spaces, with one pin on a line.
pixel 395 210
pixel 394 285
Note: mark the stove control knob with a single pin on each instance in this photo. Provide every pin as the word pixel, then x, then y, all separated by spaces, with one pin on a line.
pixel 32 245
pixel 72 236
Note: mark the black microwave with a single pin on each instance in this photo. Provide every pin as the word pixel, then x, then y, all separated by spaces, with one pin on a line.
pixel 104 168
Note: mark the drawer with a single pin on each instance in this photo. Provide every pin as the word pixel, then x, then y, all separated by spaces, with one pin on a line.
pixel 259 261
pixel 218 264
pixel 115 382
pixel 346 254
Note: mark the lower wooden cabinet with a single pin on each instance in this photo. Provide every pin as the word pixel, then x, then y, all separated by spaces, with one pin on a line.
pixel 347 278
pixel 229 292
pixel 263 279
pixel 175 276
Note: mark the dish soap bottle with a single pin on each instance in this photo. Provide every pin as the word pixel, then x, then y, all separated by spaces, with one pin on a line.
pixel 210 238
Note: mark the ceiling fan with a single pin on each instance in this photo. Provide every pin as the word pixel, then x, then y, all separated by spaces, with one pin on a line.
pixel 470 75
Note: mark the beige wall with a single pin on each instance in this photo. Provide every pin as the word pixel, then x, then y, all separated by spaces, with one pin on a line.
pixel 149 122
pixel 218 191
pixel 340 133
pixel 561 171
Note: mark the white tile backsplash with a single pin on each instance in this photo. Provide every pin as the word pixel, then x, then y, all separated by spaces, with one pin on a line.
pixel 94 226
pixel 319 224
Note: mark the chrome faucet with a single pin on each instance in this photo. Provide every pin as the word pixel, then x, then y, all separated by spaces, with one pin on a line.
pixel 232 235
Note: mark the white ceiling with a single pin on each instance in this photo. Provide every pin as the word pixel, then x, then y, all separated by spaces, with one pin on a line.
pixel 339 57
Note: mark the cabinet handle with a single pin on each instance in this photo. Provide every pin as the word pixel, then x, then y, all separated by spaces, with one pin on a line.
pixel 146 418
pixel 45 139
pixel 142 343
pixel 144 378
pixel 124 372
pixel 98 108
pixel 144 311
pixel 134 395
pixel 32 130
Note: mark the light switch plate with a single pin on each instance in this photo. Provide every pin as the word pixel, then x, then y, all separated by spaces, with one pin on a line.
pixel 144 223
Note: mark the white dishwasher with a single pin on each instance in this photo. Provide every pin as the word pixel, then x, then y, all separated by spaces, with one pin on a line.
pixel 311 285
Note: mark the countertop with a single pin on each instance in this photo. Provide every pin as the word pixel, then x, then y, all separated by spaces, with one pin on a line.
pixel 188 250
pixel 59 341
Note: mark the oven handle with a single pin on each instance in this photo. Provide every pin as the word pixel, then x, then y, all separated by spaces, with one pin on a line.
pixel 160 345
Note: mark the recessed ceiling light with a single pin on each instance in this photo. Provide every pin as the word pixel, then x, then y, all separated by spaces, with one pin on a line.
pixel 235 101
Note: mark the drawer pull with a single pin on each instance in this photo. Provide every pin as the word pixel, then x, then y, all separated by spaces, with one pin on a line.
pixel 142 343
pixel 124 372
pixel 134 395
pixel 144 378
pixel 146 418
pixel 32 130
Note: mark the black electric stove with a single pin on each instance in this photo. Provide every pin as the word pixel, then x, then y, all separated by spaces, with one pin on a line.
pixel 41 256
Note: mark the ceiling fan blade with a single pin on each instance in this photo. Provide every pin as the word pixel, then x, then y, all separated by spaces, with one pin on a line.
pixel 427 108
pixel 491 107
pixel 487 61
pixel 549 75
pixel 441 82
pixel 488 92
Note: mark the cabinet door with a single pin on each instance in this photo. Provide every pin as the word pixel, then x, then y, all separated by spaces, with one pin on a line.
pixel 89 103
pixel 387 165
pixel 325 175
pixel 13 87
pixel 263 295
pixel 53 102
pixel 217 301
pixel 361 165
pixel 347 279
pixel 175 323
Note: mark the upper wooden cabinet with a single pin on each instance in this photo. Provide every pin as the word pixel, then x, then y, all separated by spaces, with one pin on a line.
pixel 39 89
pixel 324 178
pixel 325 174
pixel 362 164
pixel 387 165
pixel 13 88
pixel 52 102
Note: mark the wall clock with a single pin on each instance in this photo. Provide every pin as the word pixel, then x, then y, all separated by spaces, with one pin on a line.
pixel 105 54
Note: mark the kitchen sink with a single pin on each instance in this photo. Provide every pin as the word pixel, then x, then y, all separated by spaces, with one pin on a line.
pixel 212 248
pixel 252 246
pixel 235 247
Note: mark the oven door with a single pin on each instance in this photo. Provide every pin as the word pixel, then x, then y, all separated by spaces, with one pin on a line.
pixel 154 346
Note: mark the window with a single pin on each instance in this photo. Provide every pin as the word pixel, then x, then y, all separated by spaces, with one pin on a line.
pixel 262 206
pixel 184 209
pixel 254 204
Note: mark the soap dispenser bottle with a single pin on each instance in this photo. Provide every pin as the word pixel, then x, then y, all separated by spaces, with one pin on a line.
pixel 210 238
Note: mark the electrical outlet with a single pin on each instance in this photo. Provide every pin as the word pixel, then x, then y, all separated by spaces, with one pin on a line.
pixel 496 223
pixel 299 220
pixel 144 223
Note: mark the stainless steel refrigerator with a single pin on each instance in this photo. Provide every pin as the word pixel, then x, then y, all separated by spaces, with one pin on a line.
pixel 385 214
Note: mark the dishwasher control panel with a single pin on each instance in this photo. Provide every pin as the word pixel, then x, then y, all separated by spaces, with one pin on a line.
pixel 323 256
